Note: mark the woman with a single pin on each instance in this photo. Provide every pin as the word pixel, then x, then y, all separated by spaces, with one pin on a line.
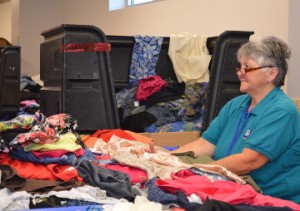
pixel 258 133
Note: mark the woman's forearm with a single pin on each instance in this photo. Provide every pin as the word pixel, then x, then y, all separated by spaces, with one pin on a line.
pixel 244 162
pixel 199 147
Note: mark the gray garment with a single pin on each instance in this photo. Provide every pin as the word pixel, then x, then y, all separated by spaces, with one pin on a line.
pixel 116 184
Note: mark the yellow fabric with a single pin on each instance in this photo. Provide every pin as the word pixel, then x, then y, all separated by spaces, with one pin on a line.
pixel 190 57
pixel 67 141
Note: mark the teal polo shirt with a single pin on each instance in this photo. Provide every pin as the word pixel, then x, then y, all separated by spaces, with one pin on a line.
pixel 272 129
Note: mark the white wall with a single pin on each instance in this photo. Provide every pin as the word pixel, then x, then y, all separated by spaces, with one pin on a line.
pixel 211 17
pixel 15 22
pixel 293 86
pixel 35 17
pixel 5 19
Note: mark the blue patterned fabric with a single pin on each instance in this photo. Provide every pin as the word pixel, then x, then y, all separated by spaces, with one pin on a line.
pixel 144 58
pixel 190 116
pixel 165 112
pixel 179 126
pixel 194 101
pixel 125 101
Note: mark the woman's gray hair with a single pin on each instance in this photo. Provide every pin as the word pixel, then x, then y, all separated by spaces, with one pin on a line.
pixel 268 51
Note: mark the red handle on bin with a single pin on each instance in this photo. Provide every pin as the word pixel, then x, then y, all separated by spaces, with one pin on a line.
pixel 86 47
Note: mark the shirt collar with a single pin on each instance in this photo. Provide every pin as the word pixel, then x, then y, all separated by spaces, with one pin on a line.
pixel 263 103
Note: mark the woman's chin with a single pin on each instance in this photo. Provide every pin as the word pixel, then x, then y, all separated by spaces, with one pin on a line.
pixel 243 88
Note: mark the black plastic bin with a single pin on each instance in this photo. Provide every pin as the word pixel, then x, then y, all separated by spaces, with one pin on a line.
pixel 9 81
pixel 223 81
pixel 77 76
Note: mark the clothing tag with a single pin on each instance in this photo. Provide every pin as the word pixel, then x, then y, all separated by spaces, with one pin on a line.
pixel 247 133
pixel 136 103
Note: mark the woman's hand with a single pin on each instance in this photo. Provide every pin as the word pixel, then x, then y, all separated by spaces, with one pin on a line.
pixel 141 151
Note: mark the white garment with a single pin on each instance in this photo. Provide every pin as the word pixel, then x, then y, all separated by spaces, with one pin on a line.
pixel 14 200
pixel 85 193
pixel 141 203
pixel 190 57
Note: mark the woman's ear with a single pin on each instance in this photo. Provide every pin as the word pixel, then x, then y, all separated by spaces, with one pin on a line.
pixel 273 73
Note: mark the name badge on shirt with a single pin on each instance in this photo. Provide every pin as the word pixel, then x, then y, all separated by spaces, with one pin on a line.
pixel 247 133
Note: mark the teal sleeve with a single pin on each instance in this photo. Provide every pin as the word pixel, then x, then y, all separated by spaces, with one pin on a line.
pixel 214 131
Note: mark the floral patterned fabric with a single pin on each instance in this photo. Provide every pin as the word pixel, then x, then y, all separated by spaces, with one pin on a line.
pixel 190 115
pixel 194 101
pixel 48 131
pixel 24 121
pixel 144 58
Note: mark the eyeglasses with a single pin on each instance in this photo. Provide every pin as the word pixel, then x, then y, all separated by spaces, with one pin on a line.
pixel 244 70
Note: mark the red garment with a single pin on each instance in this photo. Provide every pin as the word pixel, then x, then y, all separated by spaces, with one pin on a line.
pixel 64 172
pixel 31 170
pixel 102 157
pixel 226 191
pixel 148 86
pixel 105 135
pixel 89 141
pixel 136 175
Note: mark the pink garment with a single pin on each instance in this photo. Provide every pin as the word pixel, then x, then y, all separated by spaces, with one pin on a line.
pixel 225 191
pixel 148 86
pixel 137 176
pixel 56 153
pixel 28 103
